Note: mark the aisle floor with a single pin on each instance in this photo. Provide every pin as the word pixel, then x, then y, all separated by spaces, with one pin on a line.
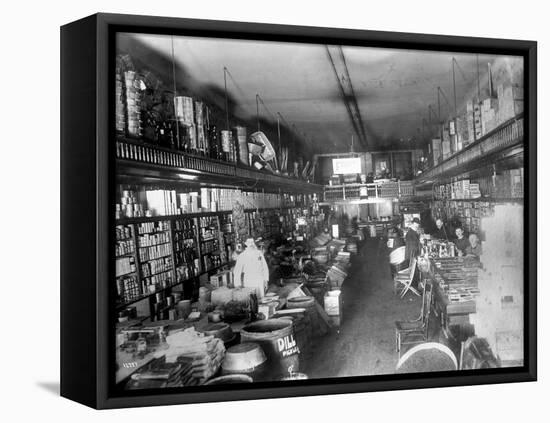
pixel 365 342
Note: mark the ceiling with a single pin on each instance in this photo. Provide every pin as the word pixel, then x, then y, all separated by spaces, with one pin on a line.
pixel 393 88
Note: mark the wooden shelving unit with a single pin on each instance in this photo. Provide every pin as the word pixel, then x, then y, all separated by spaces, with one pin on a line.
pixel 190 253
pixel 179 230
pixel 140 161
pixel 503 143
pixel 128 285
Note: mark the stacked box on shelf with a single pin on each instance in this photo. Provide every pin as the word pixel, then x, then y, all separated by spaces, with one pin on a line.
pixel 470 124
pixel 161 202
pixel 229 236
pixel 436 151
pixel 133 96
pixel 212 245
pixel 477 120
pixel 453 136
pixel 510 102
pixel 120 100
pixel 446 144
pixel 155 255
pixel 127 283
pixel 474 191
pixel 489 109
pixel 186 253
pixel 465 129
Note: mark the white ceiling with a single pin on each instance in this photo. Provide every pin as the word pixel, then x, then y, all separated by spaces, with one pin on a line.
pixel 393 87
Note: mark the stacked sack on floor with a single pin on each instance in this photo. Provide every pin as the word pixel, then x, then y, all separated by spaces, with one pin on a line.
pixel 160 374
pixel 190 359
pixel 204 354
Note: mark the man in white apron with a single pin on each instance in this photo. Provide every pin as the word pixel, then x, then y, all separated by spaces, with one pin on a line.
pixel 251 269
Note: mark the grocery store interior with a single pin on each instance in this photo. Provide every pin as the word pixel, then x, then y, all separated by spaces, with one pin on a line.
pixel 290 211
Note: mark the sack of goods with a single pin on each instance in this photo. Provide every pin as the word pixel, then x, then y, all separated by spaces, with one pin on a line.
pixel 204 354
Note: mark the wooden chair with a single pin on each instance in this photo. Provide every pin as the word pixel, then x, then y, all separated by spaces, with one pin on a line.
pixel 405 279
pixel 412 332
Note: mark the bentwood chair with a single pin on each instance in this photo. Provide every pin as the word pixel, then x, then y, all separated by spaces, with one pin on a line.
pixel 412 332
pixel 404 279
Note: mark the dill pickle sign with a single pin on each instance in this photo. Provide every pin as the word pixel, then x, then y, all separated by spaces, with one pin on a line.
pixel 287 346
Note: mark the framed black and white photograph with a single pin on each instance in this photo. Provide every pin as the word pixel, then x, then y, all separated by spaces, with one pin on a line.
pixel 266 211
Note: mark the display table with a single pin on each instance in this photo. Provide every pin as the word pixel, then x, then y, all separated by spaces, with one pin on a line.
pixel 454 290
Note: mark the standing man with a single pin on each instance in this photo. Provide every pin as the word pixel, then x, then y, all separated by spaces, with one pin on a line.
pixel 251 269
pixel 461 241
pixel 440 231
pixel 474 247
pixel 412 240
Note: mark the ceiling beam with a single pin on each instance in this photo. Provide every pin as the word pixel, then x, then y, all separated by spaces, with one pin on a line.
pixel 341 71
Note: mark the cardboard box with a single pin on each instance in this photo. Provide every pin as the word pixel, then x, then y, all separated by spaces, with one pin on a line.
pixel 510 102
pixel 333 303
pixel 217 280
pixel 267 309
pixel 436 150
pixel 445 149
pixel 477 121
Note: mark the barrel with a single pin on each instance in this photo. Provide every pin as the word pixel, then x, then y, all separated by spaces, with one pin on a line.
pixel 277 339
pixel 302 331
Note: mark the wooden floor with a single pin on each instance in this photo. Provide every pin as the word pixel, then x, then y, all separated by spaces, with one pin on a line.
pixel 365 342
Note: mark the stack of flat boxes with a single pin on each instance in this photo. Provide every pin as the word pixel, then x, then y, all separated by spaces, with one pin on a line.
pixel 489 111
pixel 477 120
pixel 461 190
pixel 480 118
pixel 510 102
pixel 436 151
pixel 462 130
pixel 470 122
pixel 446 144
pixel 474 191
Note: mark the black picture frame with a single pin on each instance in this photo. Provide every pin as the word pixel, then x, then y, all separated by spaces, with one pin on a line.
pixel 87 171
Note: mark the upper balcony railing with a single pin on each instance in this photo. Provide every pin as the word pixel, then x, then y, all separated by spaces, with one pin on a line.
pixel 368 193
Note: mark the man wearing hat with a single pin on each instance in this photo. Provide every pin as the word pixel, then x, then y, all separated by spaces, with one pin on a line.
pixel 412 240
pixel 251 269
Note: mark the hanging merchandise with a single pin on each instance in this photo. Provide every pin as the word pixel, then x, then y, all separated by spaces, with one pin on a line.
pixel 239 221
pixel 184 110
pixel 134 97
pixel 240 134
pixel 268 153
